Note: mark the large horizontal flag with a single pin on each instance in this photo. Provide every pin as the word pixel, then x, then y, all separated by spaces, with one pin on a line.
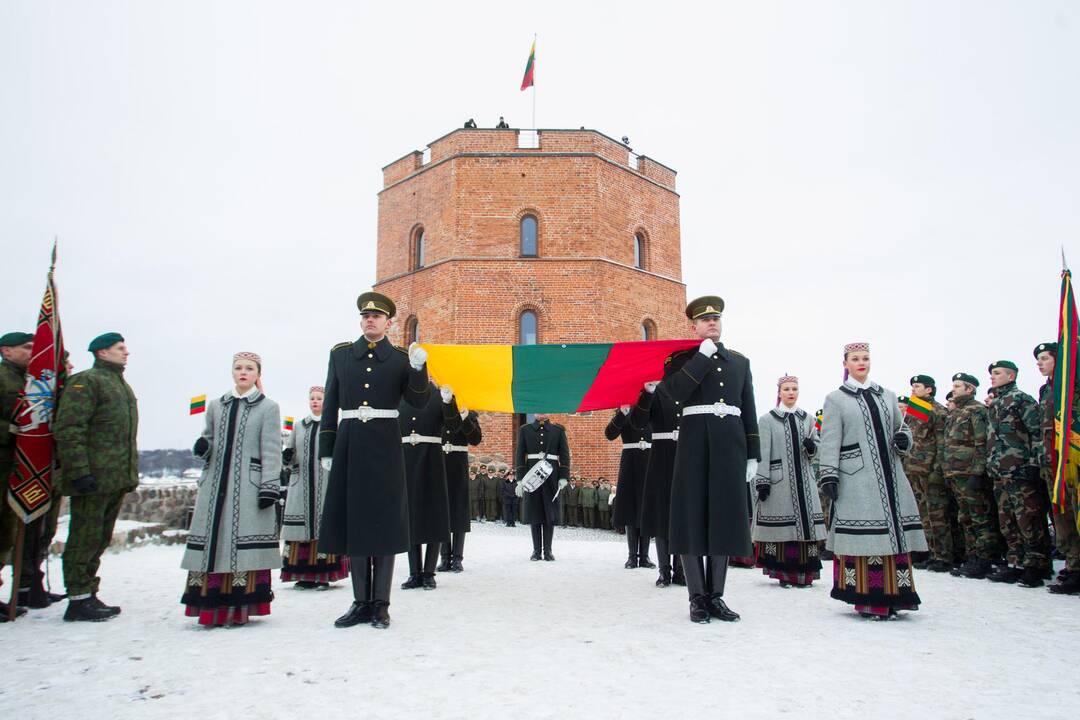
pixel 550 378
pixel 198 404
pixel 918 408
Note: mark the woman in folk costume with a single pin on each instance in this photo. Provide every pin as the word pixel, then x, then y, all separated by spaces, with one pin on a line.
pixel 788 520
pixel 304 505
pixel 875 521
pixel 232 543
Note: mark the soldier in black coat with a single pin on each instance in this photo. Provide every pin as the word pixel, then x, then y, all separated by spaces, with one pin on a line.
pixel 537 441
pixel 718 450
pixel 366 510
pixel 425 477
pixel 633 463
pixel 456 449
pixel 661 414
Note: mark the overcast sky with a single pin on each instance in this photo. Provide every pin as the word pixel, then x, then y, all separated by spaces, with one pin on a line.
pixel 903 173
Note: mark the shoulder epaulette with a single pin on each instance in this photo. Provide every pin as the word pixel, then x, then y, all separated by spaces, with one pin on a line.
pixel 735 352
pixel 347 343
pixel 678 353
pixel 401 350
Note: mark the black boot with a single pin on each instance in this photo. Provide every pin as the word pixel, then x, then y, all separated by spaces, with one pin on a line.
pixel 444 565
pixel 19 612
pixel 939 566
pixel 548 533
pixel 719 609
pixel 643 553
pixel 358 612
pixel 537 533
pixel 1032 577
pixel 381 616
pixel 633 537
pixel 428 581
pixel 1069 585
pixel 86 611
pixel 37 597
pixel 699 609
pixel 413 582
pixel 1006 575
pixel 975 568
pixel 457 552
pixel 96 602
pixel 665 578
pixel 631 562
pixel 678 577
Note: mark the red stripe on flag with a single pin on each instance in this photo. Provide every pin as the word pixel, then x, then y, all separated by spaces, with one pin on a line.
pixel 628 367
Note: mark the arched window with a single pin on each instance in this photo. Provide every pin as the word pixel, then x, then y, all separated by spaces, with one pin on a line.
pixel 527 330
pixel 418 248
pixel 639 251
pixel 648 330
pixel 528 237
pixel 412 330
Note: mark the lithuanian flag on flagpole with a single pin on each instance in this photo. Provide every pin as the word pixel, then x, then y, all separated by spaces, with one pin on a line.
pixel 530 66
pixel 288 423
pixel 550 378
pixel 198 404
pixel 918 408
pixel 1066 427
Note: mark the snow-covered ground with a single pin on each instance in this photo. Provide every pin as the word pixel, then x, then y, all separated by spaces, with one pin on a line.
pixel 581 637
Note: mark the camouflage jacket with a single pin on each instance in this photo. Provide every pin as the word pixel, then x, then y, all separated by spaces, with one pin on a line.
pixel 1046 403
pixel 963 447
pixel 12 382
pixel 1015 440
pixel 95 430
pixel 927 438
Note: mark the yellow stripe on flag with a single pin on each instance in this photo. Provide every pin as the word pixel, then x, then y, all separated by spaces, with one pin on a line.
pixel 920 403
pixel 480 375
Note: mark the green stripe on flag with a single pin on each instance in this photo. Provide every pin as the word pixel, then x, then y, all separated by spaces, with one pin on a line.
pixel 554 378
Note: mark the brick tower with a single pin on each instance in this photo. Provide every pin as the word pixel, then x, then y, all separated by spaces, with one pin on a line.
pixel 509 236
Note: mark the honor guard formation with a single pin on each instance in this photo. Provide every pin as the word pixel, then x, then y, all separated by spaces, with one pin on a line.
pixel 880 485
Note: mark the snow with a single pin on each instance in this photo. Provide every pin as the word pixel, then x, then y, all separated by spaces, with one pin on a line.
pixel 580 637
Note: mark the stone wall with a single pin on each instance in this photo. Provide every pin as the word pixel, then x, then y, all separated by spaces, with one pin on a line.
pixel 164 504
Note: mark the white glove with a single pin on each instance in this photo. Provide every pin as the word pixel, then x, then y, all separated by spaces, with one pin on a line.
pixel 650 387
pixel 519 489
pixel 624 409
pixel 446 391
pixel 707 347
pixel 326 463
pixel 751 469
pixel 464 413
pixel 562 483
pixel 417 356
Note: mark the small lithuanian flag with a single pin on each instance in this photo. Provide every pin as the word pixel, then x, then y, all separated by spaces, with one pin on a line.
pixel 918 408
pixel 198 404
pixel 817 420
pixel 289 422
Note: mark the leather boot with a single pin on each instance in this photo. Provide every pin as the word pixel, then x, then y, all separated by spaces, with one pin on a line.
pixel 444 565
pixel 1069 585
pixel 548 532
pixel 413 582
pixel 86 611
pixel 428 581
pixel 643 553
pixel 359 612
pixel 381 617
pixel 96 602
pixel 719 609
pixel 699 609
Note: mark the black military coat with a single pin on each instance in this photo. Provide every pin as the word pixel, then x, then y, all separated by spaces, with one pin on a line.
pixel 661 414
pixel 549 438
pixel 708 488
pixel 366 511
pixel 457 470
pixel 425 467
pixel 632 466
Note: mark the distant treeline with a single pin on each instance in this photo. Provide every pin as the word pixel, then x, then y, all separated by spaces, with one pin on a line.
pixel 167 462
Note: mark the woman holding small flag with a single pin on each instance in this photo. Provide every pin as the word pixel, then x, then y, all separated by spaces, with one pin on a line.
pixel 232 543
pixel 303 562
pixel 875 523
pixel 788 522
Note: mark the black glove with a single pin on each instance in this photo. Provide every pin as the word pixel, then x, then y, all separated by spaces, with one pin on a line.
pixel 975 483
pixel 763 492
pixel 202 447
pixel 1034 474
pixel 830 488
pixel 287 455
pixel 267 498
pixel 901 441
pixel 809 445
pixel 85 485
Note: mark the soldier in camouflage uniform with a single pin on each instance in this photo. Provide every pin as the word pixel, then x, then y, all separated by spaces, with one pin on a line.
pixel 1015 455
pixel 95 433
pixel 603 504
pixel 1065 534
pixel 963 463
pixel 15 348
pixel 936 501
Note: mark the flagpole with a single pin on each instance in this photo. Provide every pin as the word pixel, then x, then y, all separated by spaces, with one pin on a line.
pixel 534 104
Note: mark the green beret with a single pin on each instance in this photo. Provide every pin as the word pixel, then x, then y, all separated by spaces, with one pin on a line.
pixel 15 338
pixel 376 302
pixel 1050 347
pixel 105 341
pixel 923 380
pixel 1007 364
pixel 964 377
pixel 705 306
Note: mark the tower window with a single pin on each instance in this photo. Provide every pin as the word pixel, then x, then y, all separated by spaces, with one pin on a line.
pixel 528 236
pixel 419 248
pixel 639 251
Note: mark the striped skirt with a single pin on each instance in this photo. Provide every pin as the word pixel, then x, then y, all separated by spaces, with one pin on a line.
pixel 794 563
pixel 876 584
pixel 303 562
pixel 227 598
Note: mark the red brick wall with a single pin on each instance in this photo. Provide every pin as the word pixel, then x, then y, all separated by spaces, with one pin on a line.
pixel 474 286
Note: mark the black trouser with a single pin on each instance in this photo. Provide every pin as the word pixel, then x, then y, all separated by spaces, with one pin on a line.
pixel 430 559
pixel 542 532
pixel 510 513
pixel 636 543
pixel 705 581
pixel 664 558
pixel 371 577
pixel 454 550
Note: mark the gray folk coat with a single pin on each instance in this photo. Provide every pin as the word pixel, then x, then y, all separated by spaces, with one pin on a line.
pixel 875 513
pixel 229 533
pixel 307 484
pixel 792 511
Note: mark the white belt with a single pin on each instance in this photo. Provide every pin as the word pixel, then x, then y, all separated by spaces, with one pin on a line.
pixel 365 413
pixel 448 448
pixel 541 456
pixel 673 435
pixel 719 409
pixel 639 445
pixel 413 439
